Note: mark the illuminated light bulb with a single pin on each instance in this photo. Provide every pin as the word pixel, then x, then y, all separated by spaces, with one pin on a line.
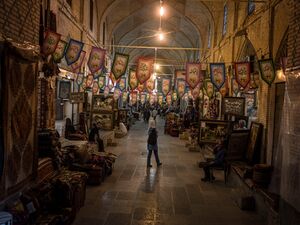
pixel 161 36
pixel 157 66
pixel 161 11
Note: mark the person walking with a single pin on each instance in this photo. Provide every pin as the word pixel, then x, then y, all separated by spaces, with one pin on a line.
pixel 152 144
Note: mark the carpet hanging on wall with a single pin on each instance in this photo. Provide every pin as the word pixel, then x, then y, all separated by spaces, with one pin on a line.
pixel 18 78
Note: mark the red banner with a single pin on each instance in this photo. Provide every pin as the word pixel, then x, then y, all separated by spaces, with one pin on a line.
pixel 193 74
pixel 144 69
pixel 50 42
pixel 242 73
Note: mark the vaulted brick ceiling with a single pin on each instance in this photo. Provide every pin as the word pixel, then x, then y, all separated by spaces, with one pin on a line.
pixel 136 22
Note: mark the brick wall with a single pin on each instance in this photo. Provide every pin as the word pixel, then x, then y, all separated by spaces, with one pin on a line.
pixel 20 20
pixel 294 35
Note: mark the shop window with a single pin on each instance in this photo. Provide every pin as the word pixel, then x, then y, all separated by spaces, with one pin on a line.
pixel 225 17
pixel 91 14
pixel 251 6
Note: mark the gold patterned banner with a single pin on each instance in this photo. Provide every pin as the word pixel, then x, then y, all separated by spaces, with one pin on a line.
pixel 76 65
pixel 267 70
pixel 59 52
pixel 133 98
pixel 96 59
pixel 117 93
pixel 196 91
pixel 209 88
pixel 50 42
pixel 124 96
pixel 101 81
pixel 133 81
pixel 217 74
pixel 160 99
pixel 180 87
pixel 141 87
pixel 144 69
pixel 166 83
pixel 150 85
pixel 95 88
pixel 193 74
pixel 234 87
pixel 120 64
pixel 143 98
pixel 106 91
pixel 169 99
pixel 122 83
pixel 73 51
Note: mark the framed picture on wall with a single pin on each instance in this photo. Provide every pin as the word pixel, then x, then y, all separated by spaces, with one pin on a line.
pixel 100 103
pixel 234 106
pixel 212 130
pixel 105 121
pixel 64 89
pixel 253 153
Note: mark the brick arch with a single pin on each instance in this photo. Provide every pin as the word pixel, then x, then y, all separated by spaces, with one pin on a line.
pixel 282 50
pixel 248 52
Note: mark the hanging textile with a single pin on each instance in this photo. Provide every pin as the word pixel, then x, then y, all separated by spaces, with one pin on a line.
pixel 120 64
pixel 242 73
pixel 73 51
pixel 106 91
pixel 166 84
pixel 79 78
pixel 174 96
pixel 50 42
pixel 122 83
pixel 133 98
pixel 217 74
pixel 193 74
pixel 95 88
pixel 59 51
pixel 209 88
pixel 143 98
pixel 169 99
pixel 180 87
pixel 196 91
pixel 124 96
pixel 141 87
pixel 150 85
pixel 235 88
pixel 160 99
pixel 267 70
pixel 96 59
pixel 117 93
pixel 89 81
pixel 224 89
pixel 133 81
pixel 19 71
pixel 144 69
pixel 101 81
pixel 76 65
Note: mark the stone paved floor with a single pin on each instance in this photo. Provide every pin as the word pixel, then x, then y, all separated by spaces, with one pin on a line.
pixel 170 195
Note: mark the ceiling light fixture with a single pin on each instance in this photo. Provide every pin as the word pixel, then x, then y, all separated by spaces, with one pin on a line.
pixel 161 13
pixel 161 10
